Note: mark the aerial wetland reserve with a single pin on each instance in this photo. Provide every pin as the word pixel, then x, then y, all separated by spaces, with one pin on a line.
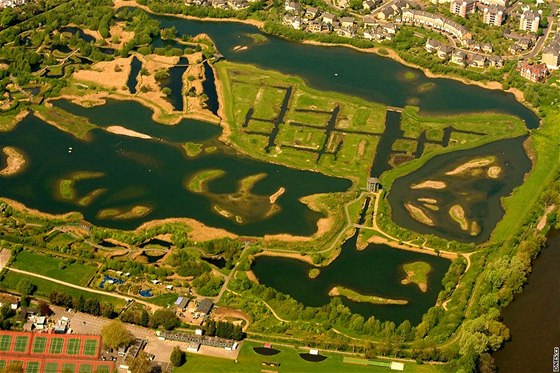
pixel 348 181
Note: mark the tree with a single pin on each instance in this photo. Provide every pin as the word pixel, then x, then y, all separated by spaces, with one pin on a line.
pixel 25 287
pixel 177 357
pixel 115 335
pixel 165 318
pixel 44 308
pixel 140 364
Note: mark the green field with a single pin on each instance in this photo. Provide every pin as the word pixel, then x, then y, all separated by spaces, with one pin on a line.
pixel 254 98
pixel 289 359
pixel 44 288
pixel 74 273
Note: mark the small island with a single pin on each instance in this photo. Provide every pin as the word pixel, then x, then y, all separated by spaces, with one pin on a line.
pixel 314 273
pixel 418 214
pixel 417 273
pixel 430 184
pixel 14 163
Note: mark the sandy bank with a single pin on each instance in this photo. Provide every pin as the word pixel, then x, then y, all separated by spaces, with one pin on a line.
pixel 429 184
pixel 409 275
pixel 396 245
pixel 119 130
pixel 286 254
pixel 494 172
pixel 475 163
pixel 458 214
pixel 276 195
pixel 110 74
pixel 417 214
pixel 427 200
pixel 15 161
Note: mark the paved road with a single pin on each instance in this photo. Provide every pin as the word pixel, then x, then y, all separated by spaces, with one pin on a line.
pixel 153 307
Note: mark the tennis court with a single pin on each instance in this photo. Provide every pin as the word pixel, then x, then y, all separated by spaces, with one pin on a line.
pixel 86 368
pixel 32 367
pixel 39 345
pixel 73 346
pixel 2 364
pixel 51 368
pixel 5 342
pixel 90 347
pixel 21 343
pixel 56 346
pixel 68 367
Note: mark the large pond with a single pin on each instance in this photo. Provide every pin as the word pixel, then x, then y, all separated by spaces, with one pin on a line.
pixel 111 174
pixel 376 270
pixel 473 192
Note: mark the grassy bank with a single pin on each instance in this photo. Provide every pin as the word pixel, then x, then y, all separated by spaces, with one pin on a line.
pixel 12 280
pixel 57 268
pixel 289 360
pixel 545 143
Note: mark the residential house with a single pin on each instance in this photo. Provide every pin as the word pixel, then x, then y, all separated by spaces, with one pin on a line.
pixel 238 4
pixel 432 45
pixel 462 7
pixel 386 13
pixel 493 15
pixel 219 4
pixel 315 26
pixel 369 22
pixel 551 54
pixel 369 5
pixel 458 57
pixel 502 3
pixel 496 61
pixel 343 3
pixel 328 18
pixel 529 21
pixel 437 22
pixel 390 28
pixel 347 22
pixel 291 7
pixel 293 21
pixel 487 48
pixel 534 73
pixel 444 52
pixel 10 301
pixel 478 60
pixel 311 12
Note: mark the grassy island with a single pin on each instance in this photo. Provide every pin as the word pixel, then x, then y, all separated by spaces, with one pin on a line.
pixel 417 273
pixel 357 297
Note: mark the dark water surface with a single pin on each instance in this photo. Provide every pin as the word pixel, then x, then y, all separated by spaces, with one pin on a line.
pixel 377 270
pixel 152 173
pixel 533 317
pixel 479 195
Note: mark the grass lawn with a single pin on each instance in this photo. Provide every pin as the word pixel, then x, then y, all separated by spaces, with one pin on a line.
pixel 44 288
pixel 74 273
pixel 289 359
pixel 545 145
pixel 164 300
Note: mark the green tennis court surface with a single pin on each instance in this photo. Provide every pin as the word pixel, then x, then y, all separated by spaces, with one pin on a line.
pixel 56 345
pixel 86 368
pixel 39 345
pixel 68 367
pixel 90 347
pixel 353 360
pixel 21 343
pixel 51 368
pixel 5 342
pixel 73 346
pixel 32 367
